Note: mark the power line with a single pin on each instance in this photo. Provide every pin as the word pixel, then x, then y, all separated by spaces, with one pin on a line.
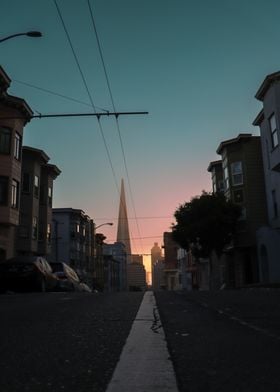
pixel 56 94
pixel 114 108
pixel 88 92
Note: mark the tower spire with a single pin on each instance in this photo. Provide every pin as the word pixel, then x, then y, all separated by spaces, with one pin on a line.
pixel 123 228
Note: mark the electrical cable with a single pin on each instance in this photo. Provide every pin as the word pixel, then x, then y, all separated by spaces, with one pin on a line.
pixel 88 92
pixel 57 94
pixel 117 122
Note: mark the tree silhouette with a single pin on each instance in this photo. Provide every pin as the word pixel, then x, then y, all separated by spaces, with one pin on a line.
pixel 206 223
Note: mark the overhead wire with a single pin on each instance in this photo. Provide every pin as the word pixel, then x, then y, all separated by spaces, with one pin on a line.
pixel 117 122
pixel 88 92
pixel 57 94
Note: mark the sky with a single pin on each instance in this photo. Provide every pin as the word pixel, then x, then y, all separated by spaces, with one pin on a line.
pixel 194 65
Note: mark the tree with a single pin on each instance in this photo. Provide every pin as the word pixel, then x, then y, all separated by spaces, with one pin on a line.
pixel 208 222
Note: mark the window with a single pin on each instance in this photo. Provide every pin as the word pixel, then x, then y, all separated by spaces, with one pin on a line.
pixel 273 130
pixel 238 196
pixel 26 183
pixel 50 196
pixel 77 228
pixel 17 146
pixel 236 173
pixel 49 233
pixel 275 205
pixel 5 140
pixel 35 228
pixel 225 170
pixel 36 186
pixel 243 215
pixel 23 231
pixel 15 194
pixel 4 185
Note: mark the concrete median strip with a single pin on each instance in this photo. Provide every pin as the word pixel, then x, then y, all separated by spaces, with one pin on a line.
pixel 144 365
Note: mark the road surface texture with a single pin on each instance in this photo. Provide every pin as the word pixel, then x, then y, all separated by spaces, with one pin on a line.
pixel 223 341
pixel 68 342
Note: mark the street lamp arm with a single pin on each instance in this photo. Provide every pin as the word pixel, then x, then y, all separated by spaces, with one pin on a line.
pixel 29 34
pixel 104 224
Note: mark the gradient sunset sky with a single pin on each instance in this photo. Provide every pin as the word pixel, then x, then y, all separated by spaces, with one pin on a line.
pixel 193 65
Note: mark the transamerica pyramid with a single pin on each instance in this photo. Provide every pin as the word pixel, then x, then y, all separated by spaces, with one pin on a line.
pixel 123 228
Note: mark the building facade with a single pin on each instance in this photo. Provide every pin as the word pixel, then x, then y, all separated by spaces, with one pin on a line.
pixel 268 120
pixel 173 278
pixel 243 183
pixel 73 240
pixel 15 113
pixel 34 230
pixel 136 277
pixel 119 264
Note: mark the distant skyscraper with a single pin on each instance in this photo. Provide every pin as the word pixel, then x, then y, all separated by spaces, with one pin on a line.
pixel 123 228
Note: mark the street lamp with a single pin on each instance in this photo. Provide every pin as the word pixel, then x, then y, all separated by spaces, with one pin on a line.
pixel 33 34
pixel 104 224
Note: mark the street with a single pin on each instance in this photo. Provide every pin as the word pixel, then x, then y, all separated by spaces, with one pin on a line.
pixel 218 341
pixel 224 340
pixel 63 341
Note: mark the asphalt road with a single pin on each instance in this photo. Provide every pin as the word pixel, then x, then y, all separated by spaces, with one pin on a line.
pixel 223 341
pixel 62 341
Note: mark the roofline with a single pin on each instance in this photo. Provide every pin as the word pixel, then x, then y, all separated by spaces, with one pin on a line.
pixel 68 209
pixel 259 119
pixel 4 78
pixel 54 169
pixel 19 103
pixel 234 140
pixel 214 163
pixel 37 151
pixel 269 79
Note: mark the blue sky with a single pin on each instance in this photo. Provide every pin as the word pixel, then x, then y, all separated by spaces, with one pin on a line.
pixel 193 65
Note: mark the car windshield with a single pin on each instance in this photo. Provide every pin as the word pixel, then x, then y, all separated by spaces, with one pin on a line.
pixel 57 267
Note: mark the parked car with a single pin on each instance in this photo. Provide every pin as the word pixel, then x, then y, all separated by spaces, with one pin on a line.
pixel 27 273
pixel 68 278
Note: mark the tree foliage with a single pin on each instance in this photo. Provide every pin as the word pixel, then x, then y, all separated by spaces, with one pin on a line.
pixel 206 223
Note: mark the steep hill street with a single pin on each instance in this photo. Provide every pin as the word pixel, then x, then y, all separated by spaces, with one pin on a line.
pixel 217 341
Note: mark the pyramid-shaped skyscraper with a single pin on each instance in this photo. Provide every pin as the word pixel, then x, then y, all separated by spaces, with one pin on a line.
pixel 123 227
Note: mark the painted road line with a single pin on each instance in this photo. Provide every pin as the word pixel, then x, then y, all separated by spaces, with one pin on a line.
pixel 144 364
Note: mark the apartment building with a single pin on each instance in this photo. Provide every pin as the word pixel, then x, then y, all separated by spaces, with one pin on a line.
pixel 243 183
pixel 15 113
pixel 173 278
pixel 34 230
pixel 136 276
pixel 73 240
pixel 116 259
pixel 268 120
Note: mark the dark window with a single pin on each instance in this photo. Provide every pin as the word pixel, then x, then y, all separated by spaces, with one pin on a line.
pixel 50 196
pixel 15 194
pixel 23 231
pixel 26 183
pixel 5 140
pixel 238 196
pixel 36 186
pixel 17 146
pixel 4 185
pixel 273 130
pixel 275 205
pixel 49 233
pixel 35 228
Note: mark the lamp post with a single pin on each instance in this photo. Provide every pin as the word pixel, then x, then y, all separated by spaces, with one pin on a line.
pixel 98 266
pixel 104 224
pixel 33 34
